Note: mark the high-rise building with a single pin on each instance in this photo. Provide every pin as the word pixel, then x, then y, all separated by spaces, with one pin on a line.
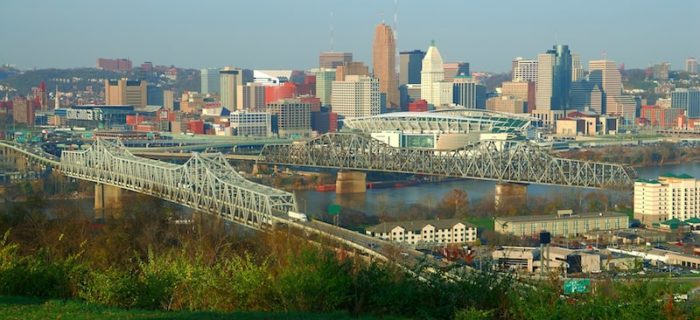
pixel 229 79
pixel 432 72
pixel 411 63
pixel 524 70
pixel 691 65
pixel 43 96
pixel 154 95
pixel 553 78
pixel 688 100
pixel 251 96
pixel 354 68
pixel 384 64
pixel 169 99
pixel 454 69
pixel 293 117
pixel 524 90
pixel 356 96
pixel 508 104
pixel 324 84
pixel 210 81
pixel 126 92
pixel 577 72
pixel 468 93
pixel 116 65
pixel 332 59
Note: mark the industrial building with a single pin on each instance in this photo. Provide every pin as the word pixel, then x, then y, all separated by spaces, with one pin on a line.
pixel 564 223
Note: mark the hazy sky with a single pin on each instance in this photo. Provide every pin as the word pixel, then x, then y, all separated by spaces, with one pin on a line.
pixel 290 34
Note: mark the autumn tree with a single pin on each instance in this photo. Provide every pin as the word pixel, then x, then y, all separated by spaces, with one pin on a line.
pixel 454 204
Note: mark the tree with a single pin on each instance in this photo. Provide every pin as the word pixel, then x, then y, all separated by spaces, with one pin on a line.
pixel 454 204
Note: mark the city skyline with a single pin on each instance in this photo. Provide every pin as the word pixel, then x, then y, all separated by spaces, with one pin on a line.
pixel 168 33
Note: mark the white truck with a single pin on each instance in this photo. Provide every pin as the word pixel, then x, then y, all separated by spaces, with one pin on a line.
pixel 298 216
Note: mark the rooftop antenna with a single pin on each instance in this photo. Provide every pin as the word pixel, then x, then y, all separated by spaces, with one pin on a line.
pixel 604 55
pixel 396 36
pixel 332 32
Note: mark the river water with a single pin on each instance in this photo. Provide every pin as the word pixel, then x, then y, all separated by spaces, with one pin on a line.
pixel 314 202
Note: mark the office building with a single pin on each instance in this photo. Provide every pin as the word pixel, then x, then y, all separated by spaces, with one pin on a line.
pixel 507 104
pixel 251 124
pixel 331 60
pixel 454 69
pixel 687 100
pixel 580 95
pixel 577 72
pixel 293 117
pixel 606 75
pixel 285 90
pixel 562 224
pixel 210 81
pixel 468 93
pixel 229 80
pixel 324 84
pixel 251 96
pixel 623 106
pixel 126 92
pixel 427 232
pixel 553 78
pixel 691 65
pixel 523 90
pixel 384 64
pixel 116 65
pixel 668 197
pixel 154 95
pixel 356 96
pixel 432 74
pixel 354 68
pixel 411 64
pixel 524 70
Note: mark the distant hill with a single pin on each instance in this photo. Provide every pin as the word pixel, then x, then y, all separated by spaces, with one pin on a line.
pixel 65 79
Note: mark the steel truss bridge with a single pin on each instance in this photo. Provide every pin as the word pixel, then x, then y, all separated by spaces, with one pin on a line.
pixel 503 161
pixel 205 182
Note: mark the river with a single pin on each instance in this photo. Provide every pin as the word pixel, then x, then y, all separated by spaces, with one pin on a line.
pixel 314 202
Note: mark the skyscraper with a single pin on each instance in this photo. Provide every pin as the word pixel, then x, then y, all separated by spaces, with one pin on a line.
pixel 354 68
pixel 333 59
pixel 432 73
pixel 524 70
pixel 691 65
pixel 554 78
pixel 324 83
pixel 356 96
pixel 577 71
pixel 210 81
pixel 410 65
pixel 604 73
pixel 384 63
pixel 228 84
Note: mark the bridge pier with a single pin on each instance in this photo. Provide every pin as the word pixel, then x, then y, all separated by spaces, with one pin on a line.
pixel 351 182
pixel 108 197
pixel 510 195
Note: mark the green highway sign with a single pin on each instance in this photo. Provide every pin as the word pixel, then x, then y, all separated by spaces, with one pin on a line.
pixel 577 286
pixel 334 209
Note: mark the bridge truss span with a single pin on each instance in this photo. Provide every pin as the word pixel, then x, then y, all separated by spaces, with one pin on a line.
pixel 205 182
pixel 503 161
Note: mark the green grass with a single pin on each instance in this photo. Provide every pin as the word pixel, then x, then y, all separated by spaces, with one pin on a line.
pixel 482 222
pixel 12 307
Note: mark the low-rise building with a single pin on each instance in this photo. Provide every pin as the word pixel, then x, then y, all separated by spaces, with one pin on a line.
pixel 254 124
pixel 564 223
pixel 425 231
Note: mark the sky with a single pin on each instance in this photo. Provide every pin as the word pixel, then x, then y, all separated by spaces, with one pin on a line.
pixel 282 34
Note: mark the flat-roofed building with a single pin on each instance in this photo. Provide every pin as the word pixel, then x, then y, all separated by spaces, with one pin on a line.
pixel 333 59
pixel 425 231
pixel 564 223
pixel 126 92
pixel 293 117
pixel 253 124
pixel 507 104
pixel 669 197
pixel 356 96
